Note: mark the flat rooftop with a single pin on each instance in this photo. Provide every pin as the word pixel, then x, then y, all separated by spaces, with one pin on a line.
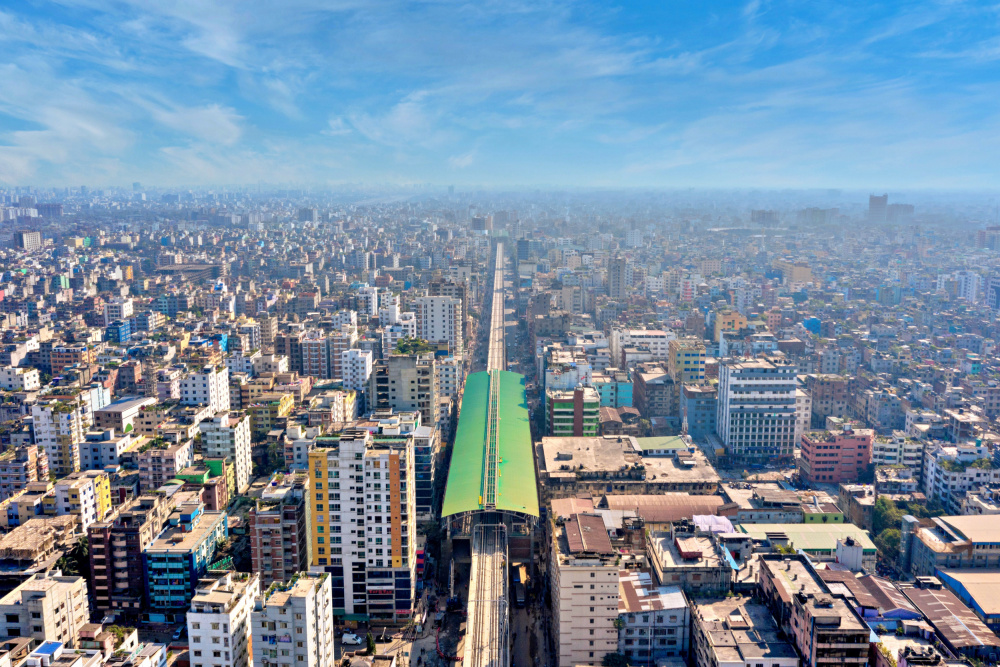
pixel 177 540
pixel 811 536
pixel 669 555
pixel 740 630
pixel 564 457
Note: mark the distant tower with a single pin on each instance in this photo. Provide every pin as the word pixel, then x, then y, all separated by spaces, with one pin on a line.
pixel 877 207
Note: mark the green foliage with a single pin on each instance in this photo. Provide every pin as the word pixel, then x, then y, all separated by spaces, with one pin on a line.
pixel 414 346
pixel 76 561
pixel 370 643
pixel 887 543
pixel 615 660
pixel 120 633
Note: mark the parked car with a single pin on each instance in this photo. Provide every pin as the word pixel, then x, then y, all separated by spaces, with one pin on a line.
pixel 351 639
pixel 179 632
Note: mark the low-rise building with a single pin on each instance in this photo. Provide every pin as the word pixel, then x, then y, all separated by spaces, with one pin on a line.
pixel 692 562
pixel 654 620
pixel 948 542
pixel 825 628
pixel 738 632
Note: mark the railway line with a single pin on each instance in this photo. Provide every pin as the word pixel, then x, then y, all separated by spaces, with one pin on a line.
pixel 487 642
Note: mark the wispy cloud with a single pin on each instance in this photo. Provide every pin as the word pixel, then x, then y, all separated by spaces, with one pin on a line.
pixel 557 90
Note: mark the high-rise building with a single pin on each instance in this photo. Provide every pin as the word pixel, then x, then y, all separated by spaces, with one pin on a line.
pixel 180 556
pixel 364 537
pixel 59 428
pixel 46 608
pixel 209 386
pixel 116 546
pixel 583 573
pixel 877 207
pixel 278 543
pixel 686 360
pixel 28 240
pixel 439 320
pixel 405 382
pixel 757 409
pixel 21 466
pixel 619 278
pixel 227 435
pixel 218 622
pixel 356 368
pixel 574 413
pixel 304 604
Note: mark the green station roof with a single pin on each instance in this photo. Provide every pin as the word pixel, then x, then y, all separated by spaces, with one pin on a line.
pixel 517 489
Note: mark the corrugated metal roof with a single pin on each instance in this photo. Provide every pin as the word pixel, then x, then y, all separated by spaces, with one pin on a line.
pixel 517 487
pixel 585 533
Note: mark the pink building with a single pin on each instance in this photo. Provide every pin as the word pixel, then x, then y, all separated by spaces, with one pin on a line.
pixel 835 457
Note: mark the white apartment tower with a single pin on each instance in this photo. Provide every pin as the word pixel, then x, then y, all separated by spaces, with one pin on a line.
pixel 228 435
pixel 293 623
pixel 439 320
pixel 218 622
pixel 357 368
pixel 209 386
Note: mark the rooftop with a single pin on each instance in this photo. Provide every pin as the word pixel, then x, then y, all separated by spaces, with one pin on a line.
pixel 810 536
pixel 178 540
pixel 637 593
pixel 740 630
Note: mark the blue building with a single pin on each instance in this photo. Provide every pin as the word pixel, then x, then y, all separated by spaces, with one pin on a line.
pixel 119 331
pixel 181 555
pixel 698 408
pixel 614 388
pixel 813 325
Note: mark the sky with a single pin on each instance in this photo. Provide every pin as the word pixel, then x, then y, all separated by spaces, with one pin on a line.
pixel 665 93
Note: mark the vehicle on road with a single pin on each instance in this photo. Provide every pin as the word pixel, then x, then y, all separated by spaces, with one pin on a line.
pixel 179 632
pixel 351 639
pixel 519 594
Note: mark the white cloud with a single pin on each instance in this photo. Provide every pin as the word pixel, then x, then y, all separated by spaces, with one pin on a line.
pixel 211 123
pixel 462 161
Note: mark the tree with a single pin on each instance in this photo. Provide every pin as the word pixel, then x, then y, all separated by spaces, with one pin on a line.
pixel 887 543
pixel 370 643
pixel 615 660
pixel 886 514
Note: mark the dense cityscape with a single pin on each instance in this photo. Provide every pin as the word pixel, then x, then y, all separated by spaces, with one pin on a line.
pixel 264 427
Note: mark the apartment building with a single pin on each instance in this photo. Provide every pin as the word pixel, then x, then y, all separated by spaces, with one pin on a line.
pixel 584 583
pixel 179 557
pixel 738 632
pixel 21 466
pixel 46 608
pixel 439 320
pixel 686 360
pixel 116 546
pixel 364 524
pixel 218 622
pixel 228 435
pixel 103 448
pixel 208 386
pixel 835 457
pixel 85 494
pixel 657 341
pixel 951 471
pixel 572 413
pixel 825 627
pixel 898 449
pixel 653 620
pixel 279 545
pixel 405 382
pixel 121 414
pixel 19 379
pixel 692 562
pixel 829 397
pixel 59 428
pixel 160 461
pixel 356 369
pixel 292 625
pixel 757 409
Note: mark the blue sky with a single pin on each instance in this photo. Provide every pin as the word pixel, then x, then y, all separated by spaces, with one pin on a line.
pixel 517 92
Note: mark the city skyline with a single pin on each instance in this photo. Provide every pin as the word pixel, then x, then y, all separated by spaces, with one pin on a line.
pixel 751 94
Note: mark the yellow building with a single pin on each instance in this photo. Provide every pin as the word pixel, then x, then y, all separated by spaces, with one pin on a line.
pixel 793 272
pixel 86 494
pixel 264 415
pixel 729 320
pixel 686 360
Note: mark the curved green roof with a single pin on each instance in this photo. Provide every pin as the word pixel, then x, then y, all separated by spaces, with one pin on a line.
pixel 517 487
